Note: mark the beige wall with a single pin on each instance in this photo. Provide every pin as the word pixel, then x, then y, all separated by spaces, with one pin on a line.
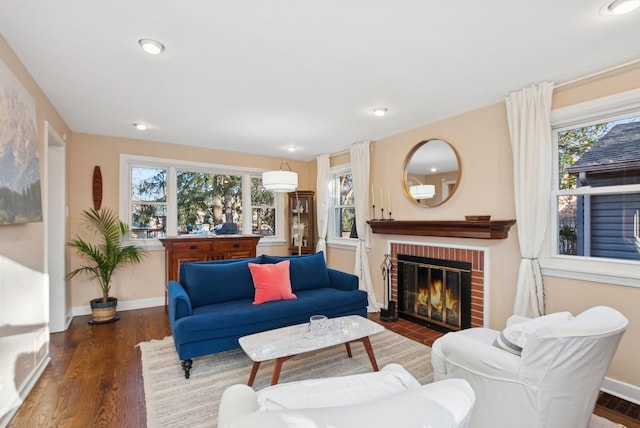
pixel 24 243
pixel 86 151
pixel 481 138
pixel 24 286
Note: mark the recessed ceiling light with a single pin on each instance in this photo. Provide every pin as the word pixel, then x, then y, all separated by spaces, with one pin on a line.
pixel 141 126
pixel 620 7
pixel 151 47
pixel 380 111
pixel 291 148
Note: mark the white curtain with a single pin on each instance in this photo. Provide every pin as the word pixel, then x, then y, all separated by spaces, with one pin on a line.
pixel 322 200
pixel 529 113
pixel 360 173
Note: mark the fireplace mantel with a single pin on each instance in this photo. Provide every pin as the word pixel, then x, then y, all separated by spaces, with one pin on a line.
pixel 494 229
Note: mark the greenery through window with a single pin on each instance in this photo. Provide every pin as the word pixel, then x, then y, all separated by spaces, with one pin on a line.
pixel 263 210
pixel 148 202
pixel 192 198
pixel 207 199
pixel 344 206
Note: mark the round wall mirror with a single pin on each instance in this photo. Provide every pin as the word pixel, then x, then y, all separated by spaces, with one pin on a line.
pixel 431 173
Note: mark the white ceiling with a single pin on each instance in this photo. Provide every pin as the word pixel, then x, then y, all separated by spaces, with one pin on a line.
pixel 258 76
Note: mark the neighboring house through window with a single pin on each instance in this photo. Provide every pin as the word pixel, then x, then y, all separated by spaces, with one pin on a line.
pixel 595 216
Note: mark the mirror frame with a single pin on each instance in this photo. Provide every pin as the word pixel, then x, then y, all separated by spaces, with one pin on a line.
pixel 405 167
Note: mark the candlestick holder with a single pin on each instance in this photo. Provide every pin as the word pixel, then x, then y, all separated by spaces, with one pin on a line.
pixel 374 212
pixel 390 218
pixel 381 213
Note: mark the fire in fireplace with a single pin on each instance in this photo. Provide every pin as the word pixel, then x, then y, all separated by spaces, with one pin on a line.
pixel 435 293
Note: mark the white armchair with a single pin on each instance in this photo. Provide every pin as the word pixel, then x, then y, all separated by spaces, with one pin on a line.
pixel 553 383
pixel 388 398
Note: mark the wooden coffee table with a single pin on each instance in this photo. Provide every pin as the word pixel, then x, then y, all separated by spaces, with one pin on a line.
pixel 284 343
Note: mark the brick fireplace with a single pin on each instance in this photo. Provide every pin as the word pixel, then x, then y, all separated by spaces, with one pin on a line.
pixel 475 257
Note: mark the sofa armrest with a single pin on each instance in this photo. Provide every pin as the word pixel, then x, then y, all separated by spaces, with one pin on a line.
pixel 179 303
pixel 342 280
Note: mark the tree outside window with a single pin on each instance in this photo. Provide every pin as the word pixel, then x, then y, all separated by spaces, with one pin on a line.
pixel 208 199
pixel 344 207
pixel 263 210
pixel 148 202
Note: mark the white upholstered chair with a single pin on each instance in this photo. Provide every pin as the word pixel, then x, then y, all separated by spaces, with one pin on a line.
pixel 391 397
pixel 553 383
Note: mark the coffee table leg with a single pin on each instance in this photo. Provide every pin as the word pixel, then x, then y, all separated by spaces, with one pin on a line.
pixel 254 371
pixel 372 357
pixel 277 368
pixel 367 346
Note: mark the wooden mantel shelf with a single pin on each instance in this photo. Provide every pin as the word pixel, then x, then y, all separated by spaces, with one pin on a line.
pixel 494 229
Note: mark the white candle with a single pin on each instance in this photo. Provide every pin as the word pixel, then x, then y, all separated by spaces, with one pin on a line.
pixel 389 201
pixel 373 196
pixel 381 204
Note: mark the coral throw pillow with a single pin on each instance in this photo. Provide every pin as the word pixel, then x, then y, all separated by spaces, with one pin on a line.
pixel 271 282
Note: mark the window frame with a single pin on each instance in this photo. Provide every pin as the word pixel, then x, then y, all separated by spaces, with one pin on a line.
pixel 605 270
pixel 332 240
pixel 172 166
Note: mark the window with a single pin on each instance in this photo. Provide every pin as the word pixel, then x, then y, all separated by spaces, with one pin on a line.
pixel 161 195
pixel 343 213
pixel 595 209
pixel 208 199
pixel 263 210
pixel 148 192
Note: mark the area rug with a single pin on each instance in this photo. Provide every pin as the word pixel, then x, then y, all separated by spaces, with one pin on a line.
pixel 173 401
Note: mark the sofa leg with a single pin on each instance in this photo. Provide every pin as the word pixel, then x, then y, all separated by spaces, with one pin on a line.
pixel 186 366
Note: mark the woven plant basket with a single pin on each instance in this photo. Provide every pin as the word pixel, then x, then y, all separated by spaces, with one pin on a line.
pixel 103 312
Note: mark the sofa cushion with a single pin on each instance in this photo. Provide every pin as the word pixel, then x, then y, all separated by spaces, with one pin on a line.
pixel 271 282
pixel 306 271
pixel 208 283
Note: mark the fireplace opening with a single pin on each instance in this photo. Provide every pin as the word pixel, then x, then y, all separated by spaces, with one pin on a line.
pixel 435 293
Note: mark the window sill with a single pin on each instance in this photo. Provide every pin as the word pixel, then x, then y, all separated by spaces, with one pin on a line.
pixel 271 242
pixel 595 270
pixel 344 245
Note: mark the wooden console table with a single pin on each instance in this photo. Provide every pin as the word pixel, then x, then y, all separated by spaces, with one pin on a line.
pixel 193 248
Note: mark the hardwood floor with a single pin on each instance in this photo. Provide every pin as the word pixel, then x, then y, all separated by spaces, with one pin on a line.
pixel 95 375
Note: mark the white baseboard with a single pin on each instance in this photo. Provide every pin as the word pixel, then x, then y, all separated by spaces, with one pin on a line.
pixel 35 375
pixel 125 305
pixel 621 390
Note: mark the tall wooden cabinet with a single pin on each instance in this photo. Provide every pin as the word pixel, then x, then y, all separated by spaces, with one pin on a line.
pixel 301 220
pixel 189 248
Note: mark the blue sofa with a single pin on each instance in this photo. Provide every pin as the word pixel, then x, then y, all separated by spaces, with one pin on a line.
pixel 211 306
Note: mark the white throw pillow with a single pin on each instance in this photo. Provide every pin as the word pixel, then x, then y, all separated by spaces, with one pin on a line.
pixel 337 391
pixel 514 338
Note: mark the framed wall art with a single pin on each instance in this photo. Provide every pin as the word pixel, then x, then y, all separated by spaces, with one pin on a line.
pixel 20 191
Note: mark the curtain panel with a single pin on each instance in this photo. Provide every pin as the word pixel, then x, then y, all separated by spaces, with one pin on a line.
pixel 529 112
pixel 360 166
pixel 322 200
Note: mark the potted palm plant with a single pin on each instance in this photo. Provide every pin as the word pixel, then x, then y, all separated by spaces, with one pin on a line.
pixel 104 258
